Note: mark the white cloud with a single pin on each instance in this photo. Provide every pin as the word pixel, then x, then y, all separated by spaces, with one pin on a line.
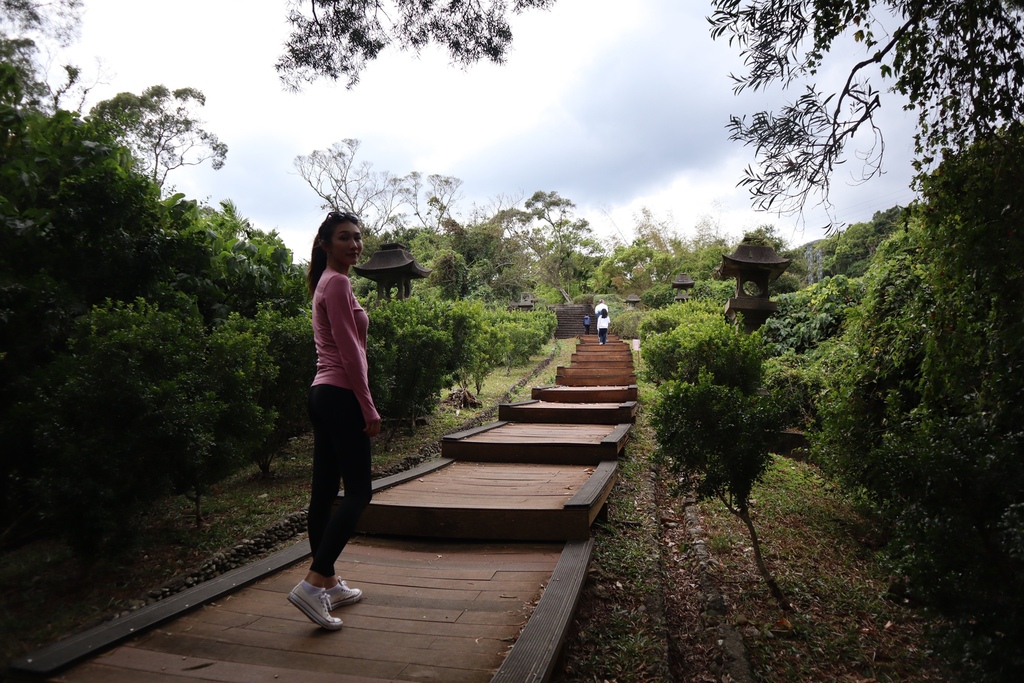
pixel 614 109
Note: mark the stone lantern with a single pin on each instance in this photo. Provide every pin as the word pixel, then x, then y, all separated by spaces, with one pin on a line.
pixel 631 302
pixel 525 303
pixel 684 283
pixel 753 266
pixel 392 266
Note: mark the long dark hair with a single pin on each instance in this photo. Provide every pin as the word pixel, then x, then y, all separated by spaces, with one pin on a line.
pixel 324 234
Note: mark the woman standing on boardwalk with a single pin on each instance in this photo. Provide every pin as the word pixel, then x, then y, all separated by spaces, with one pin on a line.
pixel 343 415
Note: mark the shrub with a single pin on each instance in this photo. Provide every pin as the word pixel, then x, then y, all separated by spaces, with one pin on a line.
pixel 627 324
pixel 704 342
pixel 284 396
pixel 806 318
pixel 718 291
pixel 658 296
pixel 716 436
pixel 145 402
pixel 410 356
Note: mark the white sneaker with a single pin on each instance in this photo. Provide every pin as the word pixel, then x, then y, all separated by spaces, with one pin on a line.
pixel 343 595
pixel 317 607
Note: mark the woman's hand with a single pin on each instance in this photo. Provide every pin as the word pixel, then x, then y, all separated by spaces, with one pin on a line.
pixel 372 428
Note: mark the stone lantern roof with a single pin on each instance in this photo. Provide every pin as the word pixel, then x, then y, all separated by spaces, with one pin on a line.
pixel 392 266
pixel 753 258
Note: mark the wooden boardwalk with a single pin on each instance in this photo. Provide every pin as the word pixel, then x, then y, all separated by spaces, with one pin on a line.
pixel 471 567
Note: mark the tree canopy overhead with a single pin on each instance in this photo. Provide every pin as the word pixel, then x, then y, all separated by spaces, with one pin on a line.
pixel 958 63
pixel 336 38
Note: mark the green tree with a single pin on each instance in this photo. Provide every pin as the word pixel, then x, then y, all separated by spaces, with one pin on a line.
pixel 634 269
pixel 563 245
pixel 499 260
pixel 337 38
pixel 960 65
pixel 245 269
pixel 176 416
pixel 714 428
pixel 925 403
pixel 161 129
pixel 849 252
pixel 77 226
pixel 449 274
pixel 25 25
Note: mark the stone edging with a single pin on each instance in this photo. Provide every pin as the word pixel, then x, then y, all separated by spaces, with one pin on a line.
pixel 735 657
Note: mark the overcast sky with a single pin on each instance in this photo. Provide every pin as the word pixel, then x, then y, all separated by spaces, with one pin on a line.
pixel 614 110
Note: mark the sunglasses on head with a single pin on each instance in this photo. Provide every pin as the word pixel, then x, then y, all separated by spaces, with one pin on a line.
pixel 343 217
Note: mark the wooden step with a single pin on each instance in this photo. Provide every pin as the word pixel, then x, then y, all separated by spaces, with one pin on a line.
pixel 590 381
pixel 585 394
pixel 578 413
pixel 493 501
pixel 583 371
pixel 550 443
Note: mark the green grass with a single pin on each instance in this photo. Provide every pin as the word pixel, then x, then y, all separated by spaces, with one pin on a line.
pixel 822 552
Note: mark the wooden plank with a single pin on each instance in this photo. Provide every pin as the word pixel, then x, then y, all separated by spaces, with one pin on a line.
pixel 597 488
pixel 414 473
pixel 535 652
pixel 583 394
pixel 470 432
pixel 609 363
pixel 536 442
pixel 420 625
pixel 579 413
pixel 126 662
pixel 573 371
pixel 473 523
pixel 63 653
pixel 607 380
pixel 623 356
pixel 619 436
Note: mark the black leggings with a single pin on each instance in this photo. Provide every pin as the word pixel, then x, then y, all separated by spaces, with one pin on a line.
pixel 341 453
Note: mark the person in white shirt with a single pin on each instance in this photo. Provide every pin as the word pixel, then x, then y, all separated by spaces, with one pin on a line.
pixel 603 321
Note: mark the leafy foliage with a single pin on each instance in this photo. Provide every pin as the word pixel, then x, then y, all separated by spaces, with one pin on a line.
pixel 849 252
pixel 177 415
pixel 161 129
pixel 702 341
pixel 960 65
pixel 806 318
pixel 716 436
pixel 713 425
pixel 925 407
pixel 282 396
pixel 339 37
pixel 417 348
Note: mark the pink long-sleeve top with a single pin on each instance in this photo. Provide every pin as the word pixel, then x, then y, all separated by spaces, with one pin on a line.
pixel 339 330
